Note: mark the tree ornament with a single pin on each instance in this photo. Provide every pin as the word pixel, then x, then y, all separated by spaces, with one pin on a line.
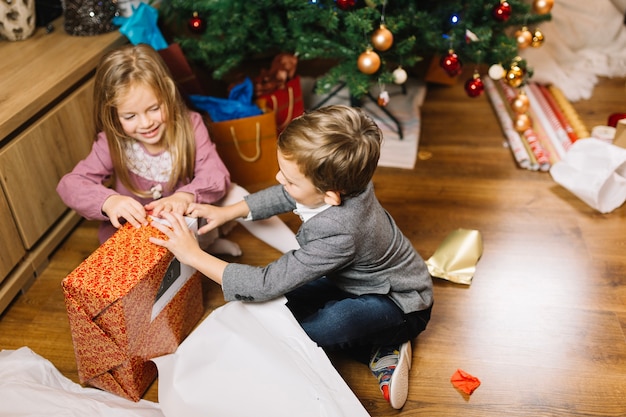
pixel 538 39
pixel 383 98
pixel 523 37
pixel 542 6
pixel 399 76
pixel 502 11
pixel 474 86
pixel 345 4
pixel 369 62
pixel 382 39
pixel 515 76
pixel 522 123
pixel 451 63
pixel 521 103
pixel 496 72
pixel 196 24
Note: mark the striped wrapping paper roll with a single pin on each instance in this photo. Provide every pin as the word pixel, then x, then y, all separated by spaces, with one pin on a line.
pixel 558 113
pixel 559 130
pixel 543 138
pixel 512 136
pixel 529 135
pixel 540 117
pixel 570 113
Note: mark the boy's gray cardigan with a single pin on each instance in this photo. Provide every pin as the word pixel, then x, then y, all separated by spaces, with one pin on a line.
pixel 357 245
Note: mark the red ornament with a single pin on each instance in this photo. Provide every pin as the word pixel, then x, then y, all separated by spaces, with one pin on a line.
pixel 451 63
pixel 474 86
pixel 196 24
pixel 502 11
pixel 345 4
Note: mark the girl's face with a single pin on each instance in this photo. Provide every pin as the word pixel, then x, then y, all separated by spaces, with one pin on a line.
pixel 142 117
pixel 299 187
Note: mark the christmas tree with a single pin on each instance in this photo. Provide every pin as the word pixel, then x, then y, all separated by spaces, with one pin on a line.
pixel 368 41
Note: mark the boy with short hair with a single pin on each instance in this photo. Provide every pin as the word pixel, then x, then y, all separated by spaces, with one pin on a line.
pixel 356 283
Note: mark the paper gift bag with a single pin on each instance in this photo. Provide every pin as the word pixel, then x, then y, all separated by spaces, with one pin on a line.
pixel 248 147
pixel 286 102
pixel 128 302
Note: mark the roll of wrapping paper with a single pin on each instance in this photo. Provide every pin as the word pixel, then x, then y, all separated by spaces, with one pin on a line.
pixel 540 117
pixel 561 134
pixel 529 135
pixel 512 136
pixel 546 142
pixel 558 112
pixel 570 113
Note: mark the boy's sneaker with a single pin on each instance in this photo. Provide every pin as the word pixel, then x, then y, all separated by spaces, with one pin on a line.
pixel 390 366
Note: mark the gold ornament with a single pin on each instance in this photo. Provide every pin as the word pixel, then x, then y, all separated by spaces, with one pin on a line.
pixel 521 103
pixel 523 37
pixel 538 39
pixel 368 62
pixel 543 6
pixel 382 39
pixel 515 76
pixel 522 122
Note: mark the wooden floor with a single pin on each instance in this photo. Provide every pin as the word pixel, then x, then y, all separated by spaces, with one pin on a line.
pixel 542 324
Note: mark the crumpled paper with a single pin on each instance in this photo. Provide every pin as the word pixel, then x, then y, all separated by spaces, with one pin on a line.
pixel 142 27
pixel 456 257
pixel 30 385
pixel 595 172
pixel 238 104
pixel 464 381
pixel 252 359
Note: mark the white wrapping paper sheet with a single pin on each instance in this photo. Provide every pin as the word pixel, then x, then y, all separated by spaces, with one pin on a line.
pixel 31 386
pixel 252 359
pixel 594 171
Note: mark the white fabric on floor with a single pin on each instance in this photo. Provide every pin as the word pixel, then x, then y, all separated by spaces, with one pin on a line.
pixel 252 359
pixel 395 152
pixel 584 40
pixel 30 386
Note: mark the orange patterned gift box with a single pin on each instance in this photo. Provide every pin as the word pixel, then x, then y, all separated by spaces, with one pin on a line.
pixel 128 302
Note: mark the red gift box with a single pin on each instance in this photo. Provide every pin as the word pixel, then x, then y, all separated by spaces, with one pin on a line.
pixel 128 302
pixel 286 102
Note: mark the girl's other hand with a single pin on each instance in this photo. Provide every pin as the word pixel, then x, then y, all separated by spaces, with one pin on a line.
pixel 175 203
pixel 118 207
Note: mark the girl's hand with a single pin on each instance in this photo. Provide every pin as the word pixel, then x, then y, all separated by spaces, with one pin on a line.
pixel 181 241
pixel 118 207
pixel 175 203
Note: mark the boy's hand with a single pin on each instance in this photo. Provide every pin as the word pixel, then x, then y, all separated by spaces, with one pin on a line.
pixel 175 203
pixel 118 207
pixel 181 241
pixel 216 216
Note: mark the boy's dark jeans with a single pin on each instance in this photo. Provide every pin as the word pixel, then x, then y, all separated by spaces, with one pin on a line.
pixel 336 320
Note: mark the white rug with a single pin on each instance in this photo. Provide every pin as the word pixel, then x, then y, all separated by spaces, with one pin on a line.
pixel 396 152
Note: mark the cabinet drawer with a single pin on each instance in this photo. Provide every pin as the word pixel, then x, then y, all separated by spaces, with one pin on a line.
pixel 32 164
pixel 12 250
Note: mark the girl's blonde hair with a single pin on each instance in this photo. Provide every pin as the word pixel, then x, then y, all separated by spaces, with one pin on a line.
pixel 336 147
pixel 118 71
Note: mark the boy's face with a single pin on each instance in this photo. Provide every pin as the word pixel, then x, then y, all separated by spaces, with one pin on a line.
pixel 142 118
pixel 299 187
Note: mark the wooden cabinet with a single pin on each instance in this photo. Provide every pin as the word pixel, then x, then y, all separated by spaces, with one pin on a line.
pixel 32 164
pixel 46 127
